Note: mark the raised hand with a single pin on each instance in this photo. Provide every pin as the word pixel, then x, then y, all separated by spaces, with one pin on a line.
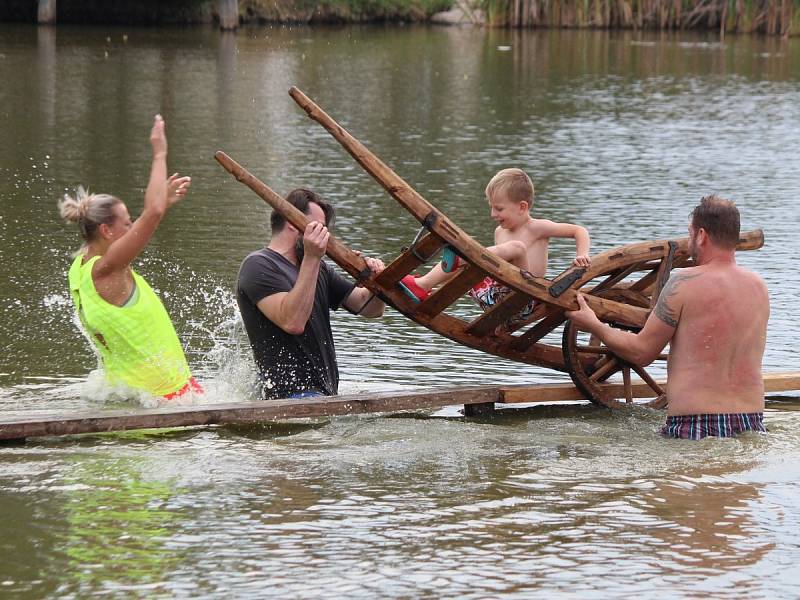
pixel 315 239
pixel 158 137
pixel 177 188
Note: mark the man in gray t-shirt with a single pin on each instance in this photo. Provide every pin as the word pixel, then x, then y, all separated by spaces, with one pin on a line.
pixel 285 292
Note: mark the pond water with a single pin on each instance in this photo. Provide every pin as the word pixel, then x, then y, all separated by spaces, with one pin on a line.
pixel 621 132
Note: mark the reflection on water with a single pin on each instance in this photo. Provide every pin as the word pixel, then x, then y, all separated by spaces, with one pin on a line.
pixel 546 501
pixel 621 132
pixel 115 505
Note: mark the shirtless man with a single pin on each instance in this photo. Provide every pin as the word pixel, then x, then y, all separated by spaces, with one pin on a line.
pixel 714 315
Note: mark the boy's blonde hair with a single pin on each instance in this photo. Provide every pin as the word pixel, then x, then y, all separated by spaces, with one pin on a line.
pixel 514 183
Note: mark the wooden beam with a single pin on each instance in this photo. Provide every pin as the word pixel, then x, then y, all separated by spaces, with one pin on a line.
pixel 47 12
pixel 409 260
pixel 246 412
pixel 559 392
pixel 38 425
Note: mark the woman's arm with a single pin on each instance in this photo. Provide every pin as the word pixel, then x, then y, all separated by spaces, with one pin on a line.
pixel 125 249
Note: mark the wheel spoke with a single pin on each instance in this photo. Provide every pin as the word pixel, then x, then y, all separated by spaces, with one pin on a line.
pixel 590 363
pixel 648 380
pixel 593 349
pixel 607 368
pixel 626 380
pixel 660 402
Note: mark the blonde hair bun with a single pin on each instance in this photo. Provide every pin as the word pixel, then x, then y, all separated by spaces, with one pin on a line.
pixel 74 209
pixel 89 211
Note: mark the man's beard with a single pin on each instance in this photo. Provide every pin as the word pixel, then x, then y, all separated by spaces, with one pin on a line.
pixel 299 251
pixel 692 249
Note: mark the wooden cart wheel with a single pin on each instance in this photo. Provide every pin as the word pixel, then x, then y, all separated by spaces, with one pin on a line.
pixel 590 363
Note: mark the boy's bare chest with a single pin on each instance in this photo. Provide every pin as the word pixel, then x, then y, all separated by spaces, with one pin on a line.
pixel 526 236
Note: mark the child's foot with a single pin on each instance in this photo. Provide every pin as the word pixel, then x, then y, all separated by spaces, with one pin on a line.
pixel 450 260
pixel 412 289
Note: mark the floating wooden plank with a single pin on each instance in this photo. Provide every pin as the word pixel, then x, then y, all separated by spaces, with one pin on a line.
pixel 561 392
pixel 773 382
pixel 238 413
pixel 42 425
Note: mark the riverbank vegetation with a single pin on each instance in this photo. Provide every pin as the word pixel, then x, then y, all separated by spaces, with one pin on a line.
pixel 146 12
pixel 340 11
pixel 773 17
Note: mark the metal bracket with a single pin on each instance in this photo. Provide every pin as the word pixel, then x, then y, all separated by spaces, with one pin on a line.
pixel 428 222
pixel 563 284
pixel 673 247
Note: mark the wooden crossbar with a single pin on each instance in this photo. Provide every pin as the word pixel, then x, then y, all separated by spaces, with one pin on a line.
pixel 451 291
pixel 401 266
pixel 498 314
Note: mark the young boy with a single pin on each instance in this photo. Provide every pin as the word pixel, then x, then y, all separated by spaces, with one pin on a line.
pixel 520 239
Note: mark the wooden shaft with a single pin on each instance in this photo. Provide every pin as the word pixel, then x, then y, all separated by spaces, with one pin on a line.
pixel 391 182
pixel 341 254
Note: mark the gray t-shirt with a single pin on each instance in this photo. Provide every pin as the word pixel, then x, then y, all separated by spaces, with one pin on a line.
pixel 290 364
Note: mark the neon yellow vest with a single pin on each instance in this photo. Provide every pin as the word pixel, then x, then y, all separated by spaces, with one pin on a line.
pixel 137 344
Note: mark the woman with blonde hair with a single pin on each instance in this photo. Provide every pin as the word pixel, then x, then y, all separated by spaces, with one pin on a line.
pixel 123 317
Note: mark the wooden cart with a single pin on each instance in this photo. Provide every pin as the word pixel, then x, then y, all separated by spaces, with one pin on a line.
pixel 621 285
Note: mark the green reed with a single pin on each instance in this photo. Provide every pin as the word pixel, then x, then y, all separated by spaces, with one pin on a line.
pixel 772 17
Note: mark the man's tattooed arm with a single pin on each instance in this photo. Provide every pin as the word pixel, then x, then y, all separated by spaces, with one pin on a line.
pixel 666 308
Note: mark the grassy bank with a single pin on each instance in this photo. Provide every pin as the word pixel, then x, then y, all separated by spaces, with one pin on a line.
pixel 772 17
pixel 146 12
pixel 339 11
